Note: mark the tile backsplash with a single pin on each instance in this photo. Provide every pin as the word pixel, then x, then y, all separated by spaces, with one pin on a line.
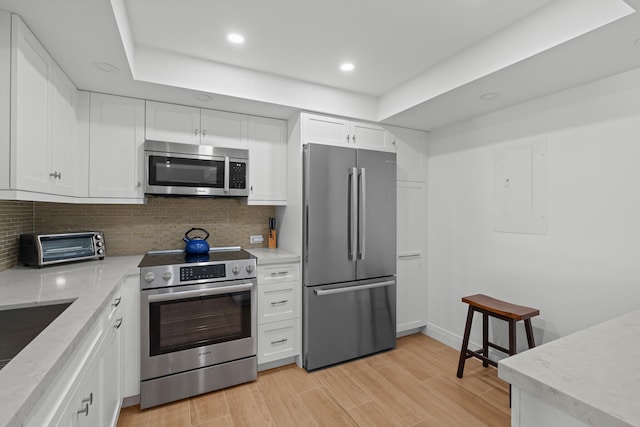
pixel 135 229
pixel 15 218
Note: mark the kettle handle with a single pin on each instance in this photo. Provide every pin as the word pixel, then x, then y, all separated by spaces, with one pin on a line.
pixel 195 228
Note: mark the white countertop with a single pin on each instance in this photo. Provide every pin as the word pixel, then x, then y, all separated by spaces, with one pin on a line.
pixel 592 375
pixel 91 284
pixel 273 256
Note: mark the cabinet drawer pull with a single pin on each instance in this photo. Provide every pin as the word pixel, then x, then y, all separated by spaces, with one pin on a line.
pixel 116 302
pixel 279 341
pixel 410 256
pixel 117 323
pixel 195 132
pixel 284 301
pixel 280 273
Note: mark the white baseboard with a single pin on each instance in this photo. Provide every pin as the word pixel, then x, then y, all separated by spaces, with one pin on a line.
pixel 455 340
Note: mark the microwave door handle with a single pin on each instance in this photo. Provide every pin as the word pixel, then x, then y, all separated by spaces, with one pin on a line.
pixel 226 174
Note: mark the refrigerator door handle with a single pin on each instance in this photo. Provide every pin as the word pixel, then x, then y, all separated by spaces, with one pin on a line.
pixel 321 292
pixel 353 212
pixel 362 211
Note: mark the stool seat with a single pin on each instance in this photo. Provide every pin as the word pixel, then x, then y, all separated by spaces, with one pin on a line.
pixel 491 307
pixel 503 308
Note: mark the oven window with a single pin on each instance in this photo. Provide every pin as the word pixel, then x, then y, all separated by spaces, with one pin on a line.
pixel 173 171
pixel 57 248
pixel 182 324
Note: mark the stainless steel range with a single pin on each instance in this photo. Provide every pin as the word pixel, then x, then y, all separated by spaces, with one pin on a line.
pixel 198 323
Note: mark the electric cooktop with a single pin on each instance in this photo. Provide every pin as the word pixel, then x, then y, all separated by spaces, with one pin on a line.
pixel 178 256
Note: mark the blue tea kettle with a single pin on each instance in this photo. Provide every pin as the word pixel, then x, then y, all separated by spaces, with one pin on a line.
pixel 196 245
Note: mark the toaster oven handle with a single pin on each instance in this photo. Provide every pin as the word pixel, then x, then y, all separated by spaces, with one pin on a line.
pixel 200 293
pixel 226 174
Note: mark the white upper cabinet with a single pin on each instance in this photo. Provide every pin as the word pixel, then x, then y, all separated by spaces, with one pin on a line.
pixel 267 161
pixel 335 131
pixel 411 150
pixel 44 145
pixel 191 125
pixel 5 98
pixel 223 129
pixel 117 147
pixel 172 123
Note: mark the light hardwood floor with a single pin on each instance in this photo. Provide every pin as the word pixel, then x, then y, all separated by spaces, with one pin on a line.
pixel 413 385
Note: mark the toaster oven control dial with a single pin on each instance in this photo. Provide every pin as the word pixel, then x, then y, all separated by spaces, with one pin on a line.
pixel 100 251
pixel 149 277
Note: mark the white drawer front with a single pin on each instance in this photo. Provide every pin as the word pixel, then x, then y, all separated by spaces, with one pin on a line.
pixel 277 340
pixel 277 301
pixel 278 273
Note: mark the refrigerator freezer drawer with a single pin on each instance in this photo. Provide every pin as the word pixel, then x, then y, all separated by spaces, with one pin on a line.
pixel 347 321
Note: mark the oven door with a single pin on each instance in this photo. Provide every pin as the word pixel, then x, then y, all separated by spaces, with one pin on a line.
pixel 189 327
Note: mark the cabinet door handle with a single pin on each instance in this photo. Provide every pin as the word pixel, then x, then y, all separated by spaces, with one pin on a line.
pixel 116 302
pixel 279 341
pixel 56 175
pixel 354 139
pixel 86 402
pixel 284 301
pixel 84 410
pixel 348 139
pixel 117 323
pixel 195 132
pixel 204 132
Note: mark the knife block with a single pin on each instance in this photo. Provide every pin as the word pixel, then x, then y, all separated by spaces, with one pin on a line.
pixel 272 239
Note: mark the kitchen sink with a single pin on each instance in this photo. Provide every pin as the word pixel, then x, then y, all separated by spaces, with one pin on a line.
pixel 19 326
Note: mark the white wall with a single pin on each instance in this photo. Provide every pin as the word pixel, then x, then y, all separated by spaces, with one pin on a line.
pixel 586 269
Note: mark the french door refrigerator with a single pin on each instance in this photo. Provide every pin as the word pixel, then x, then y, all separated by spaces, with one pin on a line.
pixel 349 255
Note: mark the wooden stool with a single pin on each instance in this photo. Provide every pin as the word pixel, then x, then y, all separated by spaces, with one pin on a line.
pixel 499 309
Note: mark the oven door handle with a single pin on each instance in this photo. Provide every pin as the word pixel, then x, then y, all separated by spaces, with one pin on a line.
pixel 199 293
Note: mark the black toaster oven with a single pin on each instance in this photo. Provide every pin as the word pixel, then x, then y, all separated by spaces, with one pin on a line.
pixel 39 249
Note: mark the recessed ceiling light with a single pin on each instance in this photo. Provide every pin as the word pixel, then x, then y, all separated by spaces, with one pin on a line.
pixel 106 67
pixel 347 66
pixel 236 38
pixel 489 96
pixel 203 97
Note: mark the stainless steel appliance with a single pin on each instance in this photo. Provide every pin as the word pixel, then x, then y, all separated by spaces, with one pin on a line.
pixel 195 170
pixel 349 298
pixel 198 323
pixel 41 249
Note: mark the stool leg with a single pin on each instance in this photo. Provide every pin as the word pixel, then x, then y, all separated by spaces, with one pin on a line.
pixel 529 329
pixel 485 338
pixel 512 337
pixel 465 342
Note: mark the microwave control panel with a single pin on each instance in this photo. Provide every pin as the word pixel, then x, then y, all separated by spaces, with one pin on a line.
pixel 237 175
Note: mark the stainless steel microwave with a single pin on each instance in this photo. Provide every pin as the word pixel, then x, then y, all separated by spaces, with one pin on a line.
pixel 195 170
pixel 39 249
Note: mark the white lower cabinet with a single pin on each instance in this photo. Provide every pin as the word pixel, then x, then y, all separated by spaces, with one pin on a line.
pixel 88 391
pixel 131 335
pixel 411 281
pixel 278 313
pixel 277 340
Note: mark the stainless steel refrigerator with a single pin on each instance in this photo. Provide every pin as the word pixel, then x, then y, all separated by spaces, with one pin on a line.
pixel 349 255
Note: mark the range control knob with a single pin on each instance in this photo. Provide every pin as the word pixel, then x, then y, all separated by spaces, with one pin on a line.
pixel 149 277
pixel 167 275
pixel 249 268
pixel 235 269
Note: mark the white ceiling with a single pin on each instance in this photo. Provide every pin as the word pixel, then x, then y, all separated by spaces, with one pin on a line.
pixel 419 64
